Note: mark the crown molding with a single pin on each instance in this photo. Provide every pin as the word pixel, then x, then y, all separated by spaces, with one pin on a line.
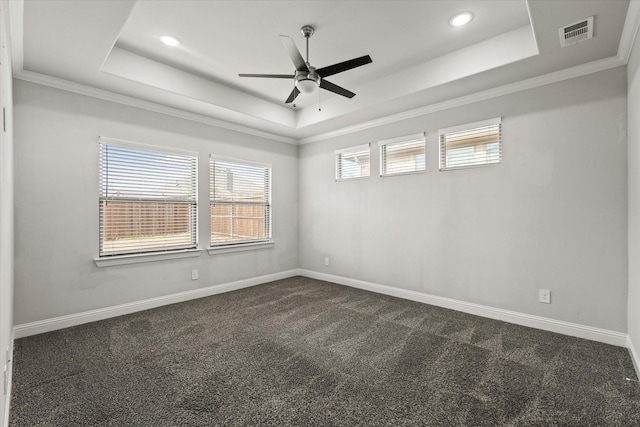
pixel 546 79
pixel 554 77
pixel 534 82
pixel 629 31
pixel 57 83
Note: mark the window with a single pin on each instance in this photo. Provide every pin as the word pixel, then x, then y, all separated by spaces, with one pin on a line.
pixel 148 199
pixel 473 144
pixel 402 155
pixel 353 162
pixel 240 201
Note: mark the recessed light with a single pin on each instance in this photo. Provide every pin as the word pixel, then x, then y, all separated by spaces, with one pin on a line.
pixel 461 19
pixel 169 41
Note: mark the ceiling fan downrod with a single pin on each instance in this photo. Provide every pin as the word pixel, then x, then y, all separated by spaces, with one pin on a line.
pixel 307 31
pixel 307 81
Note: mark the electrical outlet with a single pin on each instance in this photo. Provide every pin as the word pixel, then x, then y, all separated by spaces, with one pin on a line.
pixel 326 261
pixel 544 295
pixel 194 274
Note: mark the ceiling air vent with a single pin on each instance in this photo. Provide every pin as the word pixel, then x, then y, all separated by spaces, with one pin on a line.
pixel 576 32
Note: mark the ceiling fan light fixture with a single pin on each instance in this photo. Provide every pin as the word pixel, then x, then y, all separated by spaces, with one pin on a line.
pixel 169 41
pixel 307 82
pixel 307 85
pixel 461 19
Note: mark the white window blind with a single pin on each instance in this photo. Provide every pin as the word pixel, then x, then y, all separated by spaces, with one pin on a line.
pixel 402 155
pixel 353 162
pixel 473 144
pixel 148 199
pixel 240 201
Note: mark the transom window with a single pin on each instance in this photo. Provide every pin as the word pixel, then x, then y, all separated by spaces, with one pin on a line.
pixel 402 155
pixel 148 199
pixel 473 144
pixel 353 162
pixel 240 201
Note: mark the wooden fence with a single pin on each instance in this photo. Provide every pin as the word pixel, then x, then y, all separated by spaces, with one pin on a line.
pixel 231 222
pixel 124 219
pixel 142 219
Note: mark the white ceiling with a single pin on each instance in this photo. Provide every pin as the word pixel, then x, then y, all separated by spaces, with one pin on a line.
pixel 419 60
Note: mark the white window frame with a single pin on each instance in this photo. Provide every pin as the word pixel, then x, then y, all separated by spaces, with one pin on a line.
pixel 351 150
pixel 131 256
pixel 249 244
pixel 419 138
pixel 442 133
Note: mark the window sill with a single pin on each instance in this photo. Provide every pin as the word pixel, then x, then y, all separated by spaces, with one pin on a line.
pixel 140 258
pixel 469 166
pixel 240 247
pixel 388 175
pixel 355 178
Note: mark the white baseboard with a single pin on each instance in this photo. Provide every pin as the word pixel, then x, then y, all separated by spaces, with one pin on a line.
pixel 635 357
pixel 48 325
pixel 544 323
pixel 573 329
pixel 7 397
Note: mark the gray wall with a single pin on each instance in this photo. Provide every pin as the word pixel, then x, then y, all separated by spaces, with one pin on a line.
pixel 553 215
pixel 633 99
pixel 56 206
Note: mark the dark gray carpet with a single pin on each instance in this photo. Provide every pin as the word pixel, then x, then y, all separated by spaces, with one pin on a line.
pixel 310 353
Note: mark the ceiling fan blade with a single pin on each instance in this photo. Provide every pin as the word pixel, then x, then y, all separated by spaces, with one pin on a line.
pixel 324 84
pixel 272 76
pixel 294 53
pixel 344 66
pixel 292 96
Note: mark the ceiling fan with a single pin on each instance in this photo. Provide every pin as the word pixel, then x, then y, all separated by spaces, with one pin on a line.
pixel 307 78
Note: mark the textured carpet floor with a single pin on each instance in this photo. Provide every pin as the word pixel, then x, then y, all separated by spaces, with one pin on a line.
pixel 310 353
